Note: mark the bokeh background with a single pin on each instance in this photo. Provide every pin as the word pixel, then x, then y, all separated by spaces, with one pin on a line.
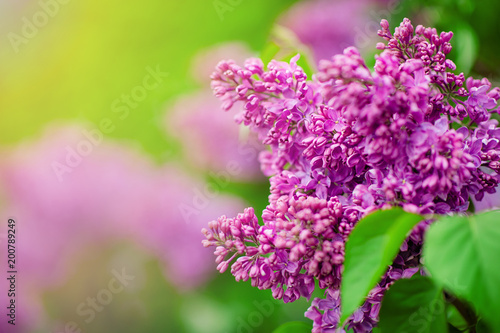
pixel 114 153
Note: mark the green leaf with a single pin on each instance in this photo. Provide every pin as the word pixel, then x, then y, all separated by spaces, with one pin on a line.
pixel 453 329
pixel 294 327
pixel 370 249
pixel 413 305
pixel 482 327
pixel 283 45
pixel 269 52
pixel 462 254
pixel 455 319
pixel 465 46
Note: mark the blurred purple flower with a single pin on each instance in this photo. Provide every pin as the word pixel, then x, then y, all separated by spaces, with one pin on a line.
pixel 209 139
pixel 204 61
pixel 330 26
pixel 113 193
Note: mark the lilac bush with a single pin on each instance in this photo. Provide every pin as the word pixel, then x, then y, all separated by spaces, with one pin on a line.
pixel 348 141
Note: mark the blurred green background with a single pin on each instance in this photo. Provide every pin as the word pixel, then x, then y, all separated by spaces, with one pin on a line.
pixel 91 52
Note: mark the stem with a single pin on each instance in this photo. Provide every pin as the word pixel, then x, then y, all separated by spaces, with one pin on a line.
pixel 465 311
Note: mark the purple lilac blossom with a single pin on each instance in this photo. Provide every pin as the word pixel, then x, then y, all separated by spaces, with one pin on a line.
pixel 346 142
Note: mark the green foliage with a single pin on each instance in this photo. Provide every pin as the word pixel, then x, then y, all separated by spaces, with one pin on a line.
pixel 453 329
pixel 283 45
pixel 413 305
pixel 462 254
pixel 370 249
pixel 294 327
pixel 455 319
pixel 466 46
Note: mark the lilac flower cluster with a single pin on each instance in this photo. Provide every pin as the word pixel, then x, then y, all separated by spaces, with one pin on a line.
pixel 410 133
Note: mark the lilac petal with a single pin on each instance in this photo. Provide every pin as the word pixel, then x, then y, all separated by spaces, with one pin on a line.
pixel 475 147
pixel 329 125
